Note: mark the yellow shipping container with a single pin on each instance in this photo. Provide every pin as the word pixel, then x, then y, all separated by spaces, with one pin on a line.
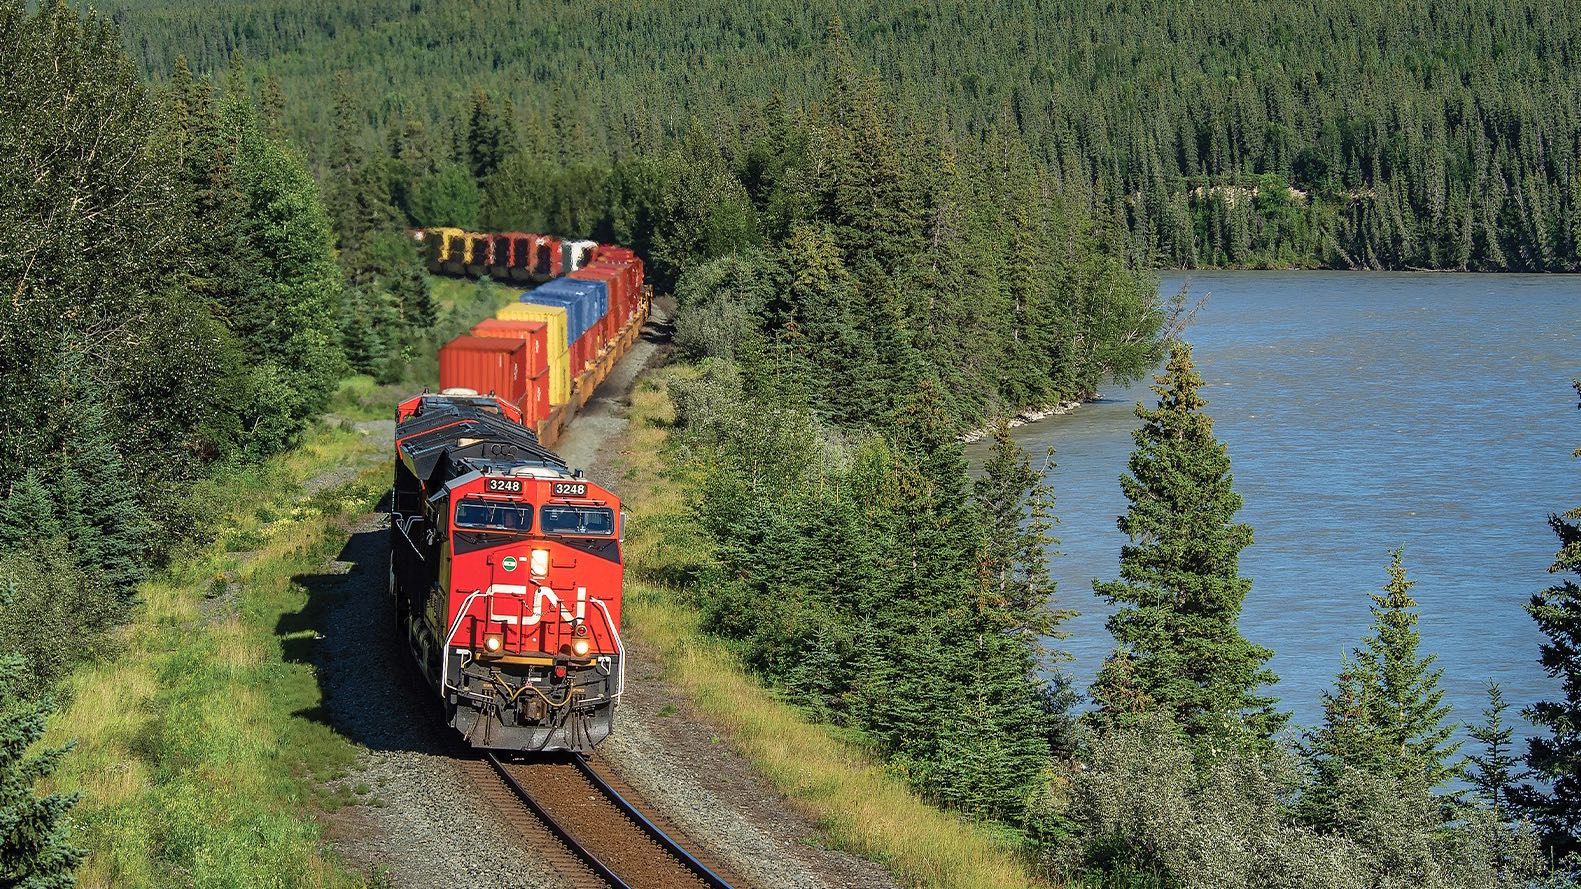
pixel 447 242
pixel 559 352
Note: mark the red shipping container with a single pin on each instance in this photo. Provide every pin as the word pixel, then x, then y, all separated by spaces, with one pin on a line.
pixel 534 333
pixel 617 278
pixel 634 268
pixel 535 406
pixel 485 365
pixel 546 263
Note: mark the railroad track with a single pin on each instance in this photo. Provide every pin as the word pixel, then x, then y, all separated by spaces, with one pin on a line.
pixel 571 813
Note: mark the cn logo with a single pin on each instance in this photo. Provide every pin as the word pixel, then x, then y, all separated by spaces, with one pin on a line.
pixel 539 597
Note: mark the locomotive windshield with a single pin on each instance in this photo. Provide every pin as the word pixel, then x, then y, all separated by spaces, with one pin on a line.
pixel 493 516
pixel 578 520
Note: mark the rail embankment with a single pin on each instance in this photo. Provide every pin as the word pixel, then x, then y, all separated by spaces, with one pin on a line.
pixel 826 774
pixel 197 755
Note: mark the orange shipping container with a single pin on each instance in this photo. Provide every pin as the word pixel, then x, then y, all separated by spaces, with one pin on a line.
pixel 485 365
pixel 534 333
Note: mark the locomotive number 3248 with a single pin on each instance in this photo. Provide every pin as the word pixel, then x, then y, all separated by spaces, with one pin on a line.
pixel 505 485
pixel 570 489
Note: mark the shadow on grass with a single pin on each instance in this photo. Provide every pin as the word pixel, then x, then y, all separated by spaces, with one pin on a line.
pixel 369 691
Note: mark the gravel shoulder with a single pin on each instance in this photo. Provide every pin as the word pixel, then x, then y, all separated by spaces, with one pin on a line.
pixel 414 802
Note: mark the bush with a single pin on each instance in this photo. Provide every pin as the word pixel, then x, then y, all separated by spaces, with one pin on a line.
pixel 1142 813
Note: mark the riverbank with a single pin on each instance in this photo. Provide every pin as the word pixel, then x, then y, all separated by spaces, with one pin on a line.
pixel 1031 415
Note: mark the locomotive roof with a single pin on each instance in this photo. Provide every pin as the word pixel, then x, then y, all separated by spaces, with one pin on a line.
pixel 451 439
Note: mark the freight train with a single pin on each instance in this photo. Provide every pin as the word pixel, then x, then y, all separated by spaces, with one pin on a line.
pixel 505 564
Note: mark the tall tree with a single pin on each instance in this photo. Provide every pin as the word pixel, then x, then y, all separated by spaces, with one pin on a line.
pixel 1553 801
pixel 1180 590
pixel 491 136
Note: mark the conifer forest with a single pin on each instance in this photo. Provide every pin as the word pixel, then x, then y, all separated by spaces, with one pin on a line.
pixel 879 229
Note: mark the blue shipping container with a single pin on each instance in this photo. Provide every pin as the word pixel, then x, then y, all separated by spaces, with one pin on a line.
pixel 585 303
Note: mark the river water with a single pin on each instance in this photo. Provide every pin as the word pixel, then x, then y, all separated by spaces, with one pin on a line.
pixel 1362 411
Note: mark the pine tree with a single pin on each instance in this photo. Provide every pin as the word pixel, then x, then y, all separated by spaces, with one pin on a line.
pixel 1180 591
pixel 1017 506
pixel 1554 756
pixel 1385 716
pixel 490 137
pixel 997 748
pixel 107 526
pixel 924 625
pixel 1405 703
pixel 35 852
pixel 1496 771
pixel 27 513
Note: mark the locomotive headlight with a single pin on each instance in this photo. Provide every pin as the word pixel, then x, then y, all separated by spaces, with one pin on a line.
pixel 580 647
pixel 493 642
pixel 540 562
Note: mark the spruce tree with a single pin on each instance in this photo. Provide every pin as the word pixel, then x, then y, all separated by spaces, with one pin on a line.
pixel 1553 801
pixel 35 852
pixel 1385 716
pixel 1404 701
pixel 924 624
pixel 1494 772
pixel 1180 590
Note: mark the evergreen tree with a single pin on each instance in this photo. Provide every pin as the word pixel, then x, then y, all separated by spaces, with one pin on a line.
pixel 1495 772
pixel 924 625
pixel 1385 717
pixel 1554 756
pixel 491 137
pixel 1405 705
pixel 446 196
pixel 104 521
pixel 1017 506
pixel 1180 591
pixel 35 851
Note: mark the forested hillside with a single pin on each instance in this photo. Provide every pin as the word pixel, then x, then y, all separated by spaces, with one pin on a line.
pixel 1393 134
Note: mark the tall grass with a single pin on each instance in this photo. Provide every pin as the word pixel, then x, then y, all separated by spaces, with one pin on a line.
pixel 858 805
pixel 196 755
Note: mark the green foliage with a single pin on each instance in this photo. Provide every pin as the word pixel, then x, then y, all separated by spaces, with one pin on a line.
pixel 854 574
pixel 1495 771
pixel 1554 755
pixel 1345 134
pixel 1386 714
pixel 1146 814
pixel 446 196
pixel 1179 653
pixel 35 852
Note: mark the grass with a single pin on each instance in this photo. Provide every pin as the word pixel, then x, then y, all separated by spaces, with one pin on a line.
pixel 197 757
pixel 859 806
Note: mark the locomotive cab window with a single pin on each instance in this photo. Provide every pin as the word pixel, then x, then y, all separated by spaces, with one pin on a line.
pixel 486 516
pixel 590 520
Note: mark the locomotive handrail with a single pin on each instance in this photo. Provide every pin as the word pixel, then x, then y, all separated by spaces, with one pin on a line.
pixel 620 650
pixel 444 654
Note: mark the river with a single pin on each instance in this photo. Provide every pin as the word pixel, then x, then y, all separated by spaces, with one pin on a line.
pixel 1362 411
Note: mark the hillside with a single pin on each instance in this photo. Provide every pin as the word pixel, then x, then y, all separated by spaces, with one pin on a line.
pixel 1397 134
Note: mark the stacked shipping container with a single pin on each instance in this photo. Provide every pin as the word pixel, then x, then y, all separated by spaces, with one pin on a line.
pixel 533 353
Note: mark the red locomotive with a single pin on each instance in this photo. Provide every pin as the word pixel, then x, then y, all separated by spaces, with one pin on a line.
pixel 505 568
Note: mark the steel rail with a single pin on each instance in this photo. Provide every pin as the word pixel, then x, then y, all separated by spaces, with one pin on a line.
pixel 555 827
pixel 653 831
